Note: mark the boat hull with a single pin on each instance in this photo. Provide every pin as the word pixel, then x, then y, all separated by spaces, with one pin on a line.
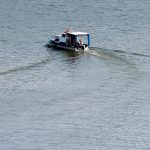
pixel 56 45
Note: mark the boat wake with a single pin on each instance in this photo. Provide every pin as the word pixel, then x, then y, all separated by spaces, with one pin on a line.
pixel 131 53
pixel 29 66
pixel 112 57
pixel 118 51
pixel 104 53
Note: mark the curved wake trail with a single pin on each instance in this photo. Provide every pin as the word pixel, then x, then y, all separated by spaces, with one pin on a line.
pixel 131 53
pixel 120 51
pixel 32 65
pixel 111 56
pixel 105 54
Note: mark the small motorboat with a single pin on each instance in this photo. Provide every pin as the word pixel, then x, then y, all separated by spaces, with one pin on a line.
pixel 69 40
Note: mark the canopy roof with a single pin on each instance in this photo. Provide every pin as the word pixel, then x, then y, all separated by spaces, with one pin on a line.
pixel 78 33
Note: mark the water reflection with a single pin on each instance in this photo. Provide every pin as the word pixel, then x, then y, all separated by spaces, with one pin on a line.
pixel 70 56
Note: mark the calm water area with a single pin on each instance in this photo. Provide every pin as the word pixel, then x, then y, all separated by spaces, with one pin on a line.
pixel 58 100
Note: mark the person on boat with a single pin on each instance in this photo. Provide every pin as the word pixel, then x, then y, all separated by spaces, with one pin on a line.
pixel 68 40
pixel 80 42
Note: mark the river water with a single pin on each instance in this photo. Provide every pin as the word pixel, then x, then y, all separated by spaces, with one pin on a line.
pixel 60 100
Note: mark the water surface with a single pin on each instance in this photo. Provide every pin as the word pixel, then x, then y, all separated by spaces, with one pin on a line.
pixel 52 99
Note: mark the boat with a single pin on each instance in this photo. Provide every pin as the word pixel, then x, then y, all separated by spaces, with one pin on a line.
pixel 69 40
